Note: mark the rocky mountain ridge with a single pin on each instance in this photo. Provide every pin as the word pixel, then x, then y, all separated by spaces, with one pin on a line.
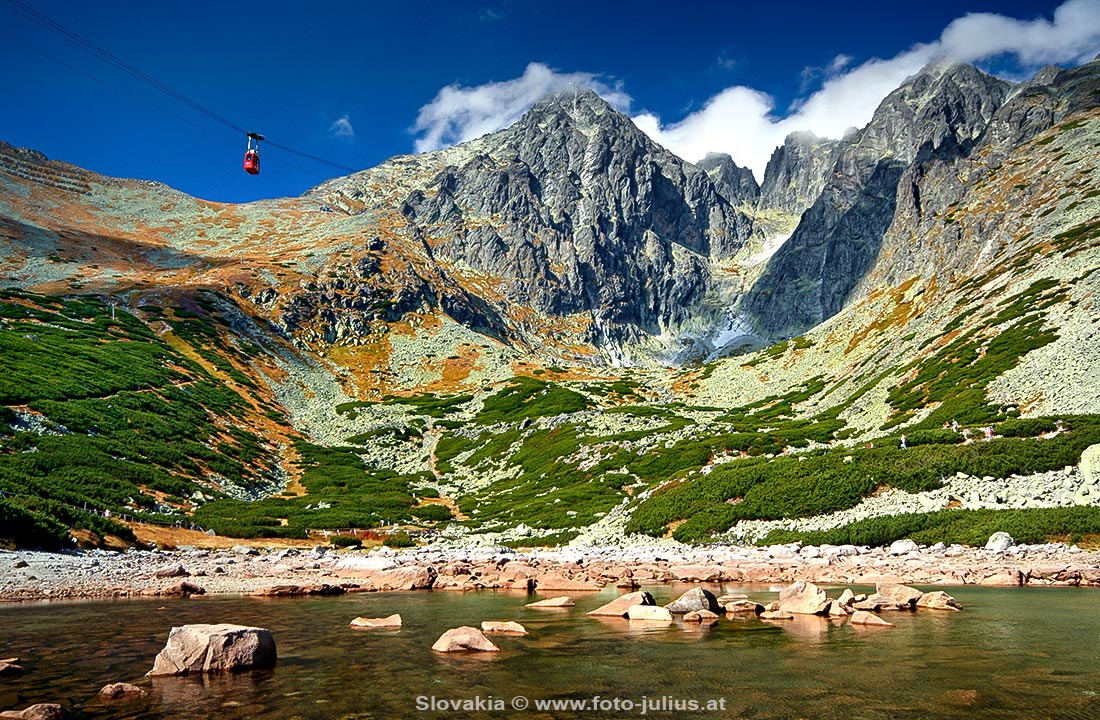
pixel 571 233
pixel 448 326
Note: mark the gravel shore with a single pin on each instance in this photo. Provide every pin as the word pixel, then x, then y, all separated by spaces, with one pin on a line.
pixel 33 575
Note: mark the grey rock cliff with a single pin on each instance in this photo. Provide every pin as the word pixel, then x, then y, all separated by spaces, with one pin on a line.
pixel 942 110
pixel 796 172
pixel 573 210
pixel 734 182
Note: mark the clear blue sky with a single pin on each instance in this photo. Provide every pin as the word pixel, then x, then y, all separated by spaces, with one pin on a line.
pixel 292 69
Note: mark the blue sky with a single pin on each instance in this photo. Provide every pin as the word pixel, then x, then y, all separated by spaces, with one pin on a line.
pixel 348 81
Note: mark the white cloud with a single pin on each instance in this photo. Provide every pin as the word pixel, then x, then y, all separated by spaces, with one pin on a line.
pixel 1072 37
pixel 458 113
pixel 342 127
pixel 742 121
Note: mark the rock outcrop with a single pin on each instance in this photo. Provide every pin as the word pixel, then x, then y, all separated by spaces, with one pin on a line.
pixel 940 111
pixel 571 210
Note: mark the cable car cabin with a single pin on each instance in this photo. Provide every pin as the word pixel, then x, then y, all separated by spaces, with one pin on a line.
pixel 252 162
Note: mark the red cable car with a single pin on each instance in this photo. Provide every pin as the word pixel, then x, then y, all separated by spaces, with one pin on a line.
pixel 252 155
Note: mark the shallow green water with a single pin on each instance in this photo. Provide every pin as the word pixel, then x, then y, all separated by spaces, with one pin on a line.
pixel 1012 653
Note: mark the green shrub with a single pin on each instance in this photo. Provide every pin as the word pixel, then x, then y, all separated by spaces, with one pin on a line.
pixel 344 540
pixel 433 513
pixel 1026 427
pixel 522 398
pixel 399 539
pixel 966 527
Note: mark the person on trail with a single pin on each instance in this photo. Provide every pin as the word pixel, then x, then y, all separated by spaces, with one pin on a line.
pixel 904 444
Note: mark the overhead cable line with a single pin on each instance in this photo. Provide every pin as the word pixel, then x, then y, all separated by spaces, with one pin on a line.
pixel 79 40
pixel 116 88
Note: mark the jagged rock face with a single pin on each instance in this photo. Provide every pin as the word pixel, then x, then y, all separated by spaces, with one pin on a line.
pixel 735 183
pixel 992 213
pixel 574 210
pixel 796 173
pixel 572 223
pixel 941 111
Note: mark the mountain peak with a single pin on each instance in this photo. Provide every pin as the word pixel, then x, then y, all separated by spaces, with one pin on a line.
pixel 579 107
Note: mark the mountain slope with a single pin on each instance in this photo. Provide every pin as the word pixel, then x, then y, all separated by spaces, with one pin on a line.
pixel 449 324
pixel 941 110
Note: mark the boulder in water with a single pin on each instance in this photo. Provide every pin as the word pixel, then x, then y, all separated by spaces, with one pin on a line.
pixel 215 648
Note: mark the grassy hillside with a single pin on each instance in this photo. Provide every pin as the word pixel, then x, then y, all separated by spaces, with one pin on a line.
pixel 103 415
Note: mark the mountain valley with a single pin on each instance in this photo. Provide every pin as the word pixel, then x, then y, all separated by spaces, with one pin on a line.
pixel 563 333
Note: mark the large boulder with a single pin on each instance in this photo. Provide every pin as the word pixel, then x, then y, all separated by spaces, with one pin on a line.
pixel 902 547
pixel 900 594
pixel 383 573
pixel 462 639
pixel 999 542
pixel 694 600
pixel 803 598
pixel 215 648
pixel 1090 465
pixel 938 600
pixel 619 606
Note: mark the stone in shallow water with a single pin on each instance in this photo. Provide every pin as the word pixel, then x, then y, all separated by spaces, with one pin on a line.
pixel 694 600
pixel 554 602
pixel 391 622
pixel 41 711
pixel 900 594
pixel 464 638
pixel 743 607
pixel 503 626
pixel 121 691
pixel 776 615
pixel 701 616
pixel 649 612
pixel 803 598
pixel 938 600
pixel 860 617
pixel 215 648
pixel 620 605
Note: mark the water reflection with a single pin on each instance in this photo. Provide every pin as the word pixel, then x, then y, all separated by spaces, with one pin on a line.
pixel 1012 653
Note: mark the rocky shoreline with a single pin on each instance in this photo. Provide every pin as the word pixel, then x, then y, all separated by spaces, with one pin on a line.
pixel 81 574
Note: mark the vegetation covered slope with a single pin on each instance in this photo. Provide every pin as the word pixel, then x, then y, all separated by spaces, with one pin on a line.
pixel 429 398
